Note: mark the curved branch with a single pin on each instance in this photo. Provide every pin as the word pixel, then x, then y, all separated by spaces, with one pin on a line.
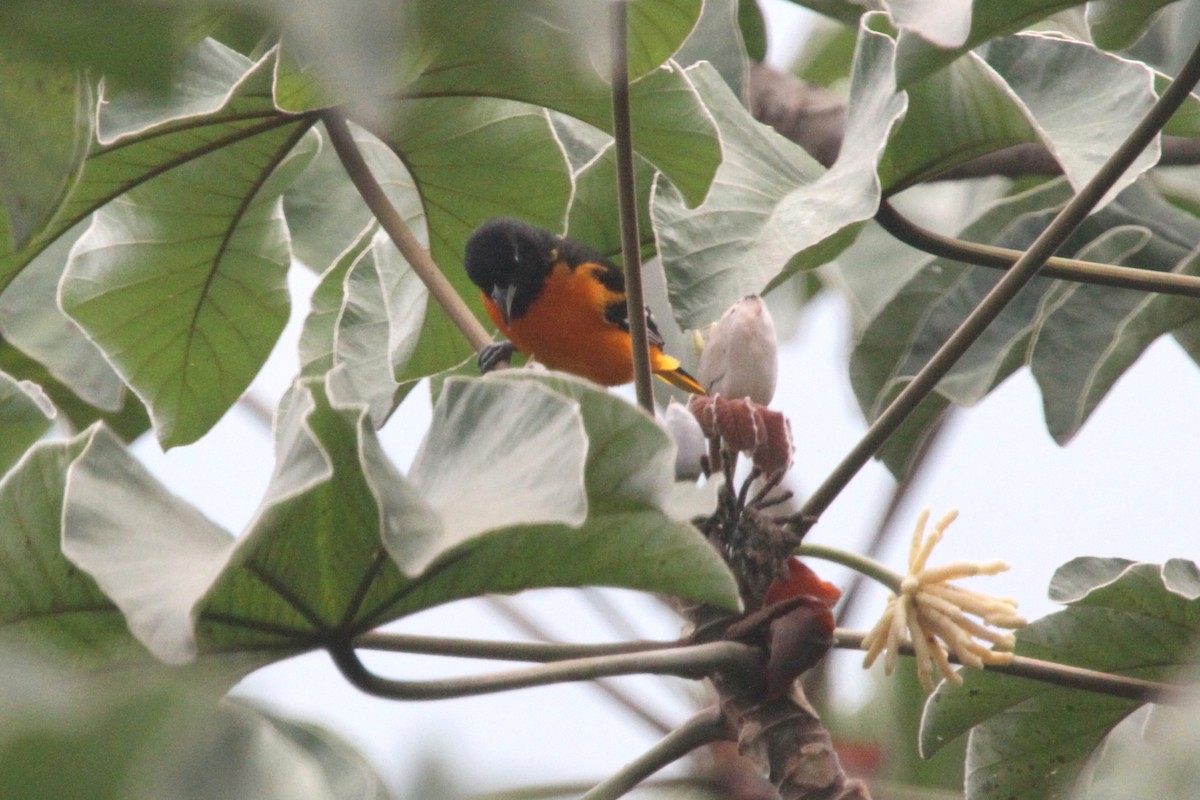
pixel 1088 680
pixel 860 564
pixel 1069 269
pixel 695 662
pixel 705 727
pixel 393 224
pixel 631 252
pixel 1026 267
pixel 539 652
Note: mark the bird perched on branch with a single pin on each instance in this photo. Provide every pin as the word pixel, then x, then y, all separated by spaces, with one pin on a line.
pixel 561 304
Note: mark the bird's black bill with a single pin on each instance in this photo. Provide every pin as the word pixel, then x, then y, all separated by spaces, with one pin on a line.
pixel 503 297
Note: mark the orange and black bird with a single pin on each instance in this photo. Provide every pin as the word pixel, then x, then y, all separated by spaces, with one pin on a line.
pixel 561 304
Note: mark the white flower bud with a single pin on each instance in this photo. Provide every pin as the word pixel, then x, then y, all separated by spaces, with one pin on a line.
pixel 740 357
pixel 690 444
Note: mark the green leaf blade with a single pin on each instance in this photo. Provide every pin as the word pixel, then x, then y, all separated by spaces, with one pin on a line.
pixel 182 281
pixel 25 414
pixel 1032 738
pixel 772 212
pixel 46 122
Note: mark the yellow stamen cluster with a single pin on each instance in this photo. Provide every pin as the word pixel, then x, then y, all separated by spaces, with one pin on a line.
pixel 935 613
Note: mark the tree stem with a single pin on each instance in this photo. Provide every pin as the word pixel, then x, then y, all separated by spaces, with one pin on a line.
pixel 1068 269
pixel 539 652
pixel 694 662
pixel 1088 680
pixel 705 727
pixel 631 253
pixel 1025 268
pixel 860 564
pixel 398 231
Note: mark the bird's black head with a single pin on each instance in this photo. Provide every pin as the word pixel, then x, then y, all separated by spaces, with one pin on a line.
pixel 509 260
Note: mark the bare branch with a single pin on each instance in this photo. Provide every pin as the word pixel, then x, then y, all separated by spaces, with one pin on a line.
pixel 705 727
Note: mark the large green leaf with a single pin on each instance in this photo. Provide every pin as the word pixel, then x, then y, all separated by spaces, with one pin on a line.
pixel 318 336
pixel 553 501
pixel 945 23
pixel 25 414
pixel 953 116
pixel 47 606
pixel 771 211
pixel 293 577
pixel 1156 758
pixel 182 281
pixel 594 171
pixel 368 311
pixel 128 421
pixel 142 736
pixel 1092 335
pixel 112 509
pixel 31 320
pixel 46 118
pixel 1002 97
pixel 718 39
pixel 917 58
pixel 632 535
pixel 1078 339
pixel 131 43
pixel 244 110
pixel 1032 739
pixel 541 52
pixel 1087 109
pixel 1116 24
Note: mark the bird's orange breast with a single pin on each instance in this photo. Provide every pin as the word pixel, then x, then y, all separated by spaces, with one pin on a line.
pixel 565 328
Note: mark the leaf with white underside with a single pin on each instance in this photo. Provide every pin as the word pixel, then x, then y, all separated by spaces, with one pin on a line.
pixel 25 414
pixel 342 542
pixel 31 321
pixel 1084 102
pixel 48 607
pixel 945 23
pixel 46 121
pixel 772 211
pixel 112 509
pixel 1032 739
pixel 182 281
pixel 1078 339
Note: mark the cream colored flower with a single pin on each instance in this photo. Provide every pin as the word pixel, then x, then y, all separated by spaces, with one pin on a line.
pixel 934 612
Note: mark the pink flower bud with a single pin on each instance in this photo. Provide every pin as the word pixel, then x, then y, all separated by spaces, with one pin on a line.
pixel 740 357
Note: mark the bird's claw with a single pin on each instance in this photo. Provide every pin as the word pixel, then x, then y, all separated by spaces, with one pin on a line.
pixel 493 355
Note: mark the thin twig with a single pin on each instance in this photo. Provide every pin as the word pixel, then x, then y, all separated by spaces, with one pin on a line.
pixel 631 254
pixel 1068 269
pixel 539 652
pixel 1088 680
pixel 1003 292
pixel 398 231
pixel 859 563
pixel 694 662
pixel 705 727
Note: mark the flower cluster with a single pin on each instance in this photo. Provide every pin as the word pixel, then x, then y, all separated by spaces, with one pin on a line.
pixel 934 612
